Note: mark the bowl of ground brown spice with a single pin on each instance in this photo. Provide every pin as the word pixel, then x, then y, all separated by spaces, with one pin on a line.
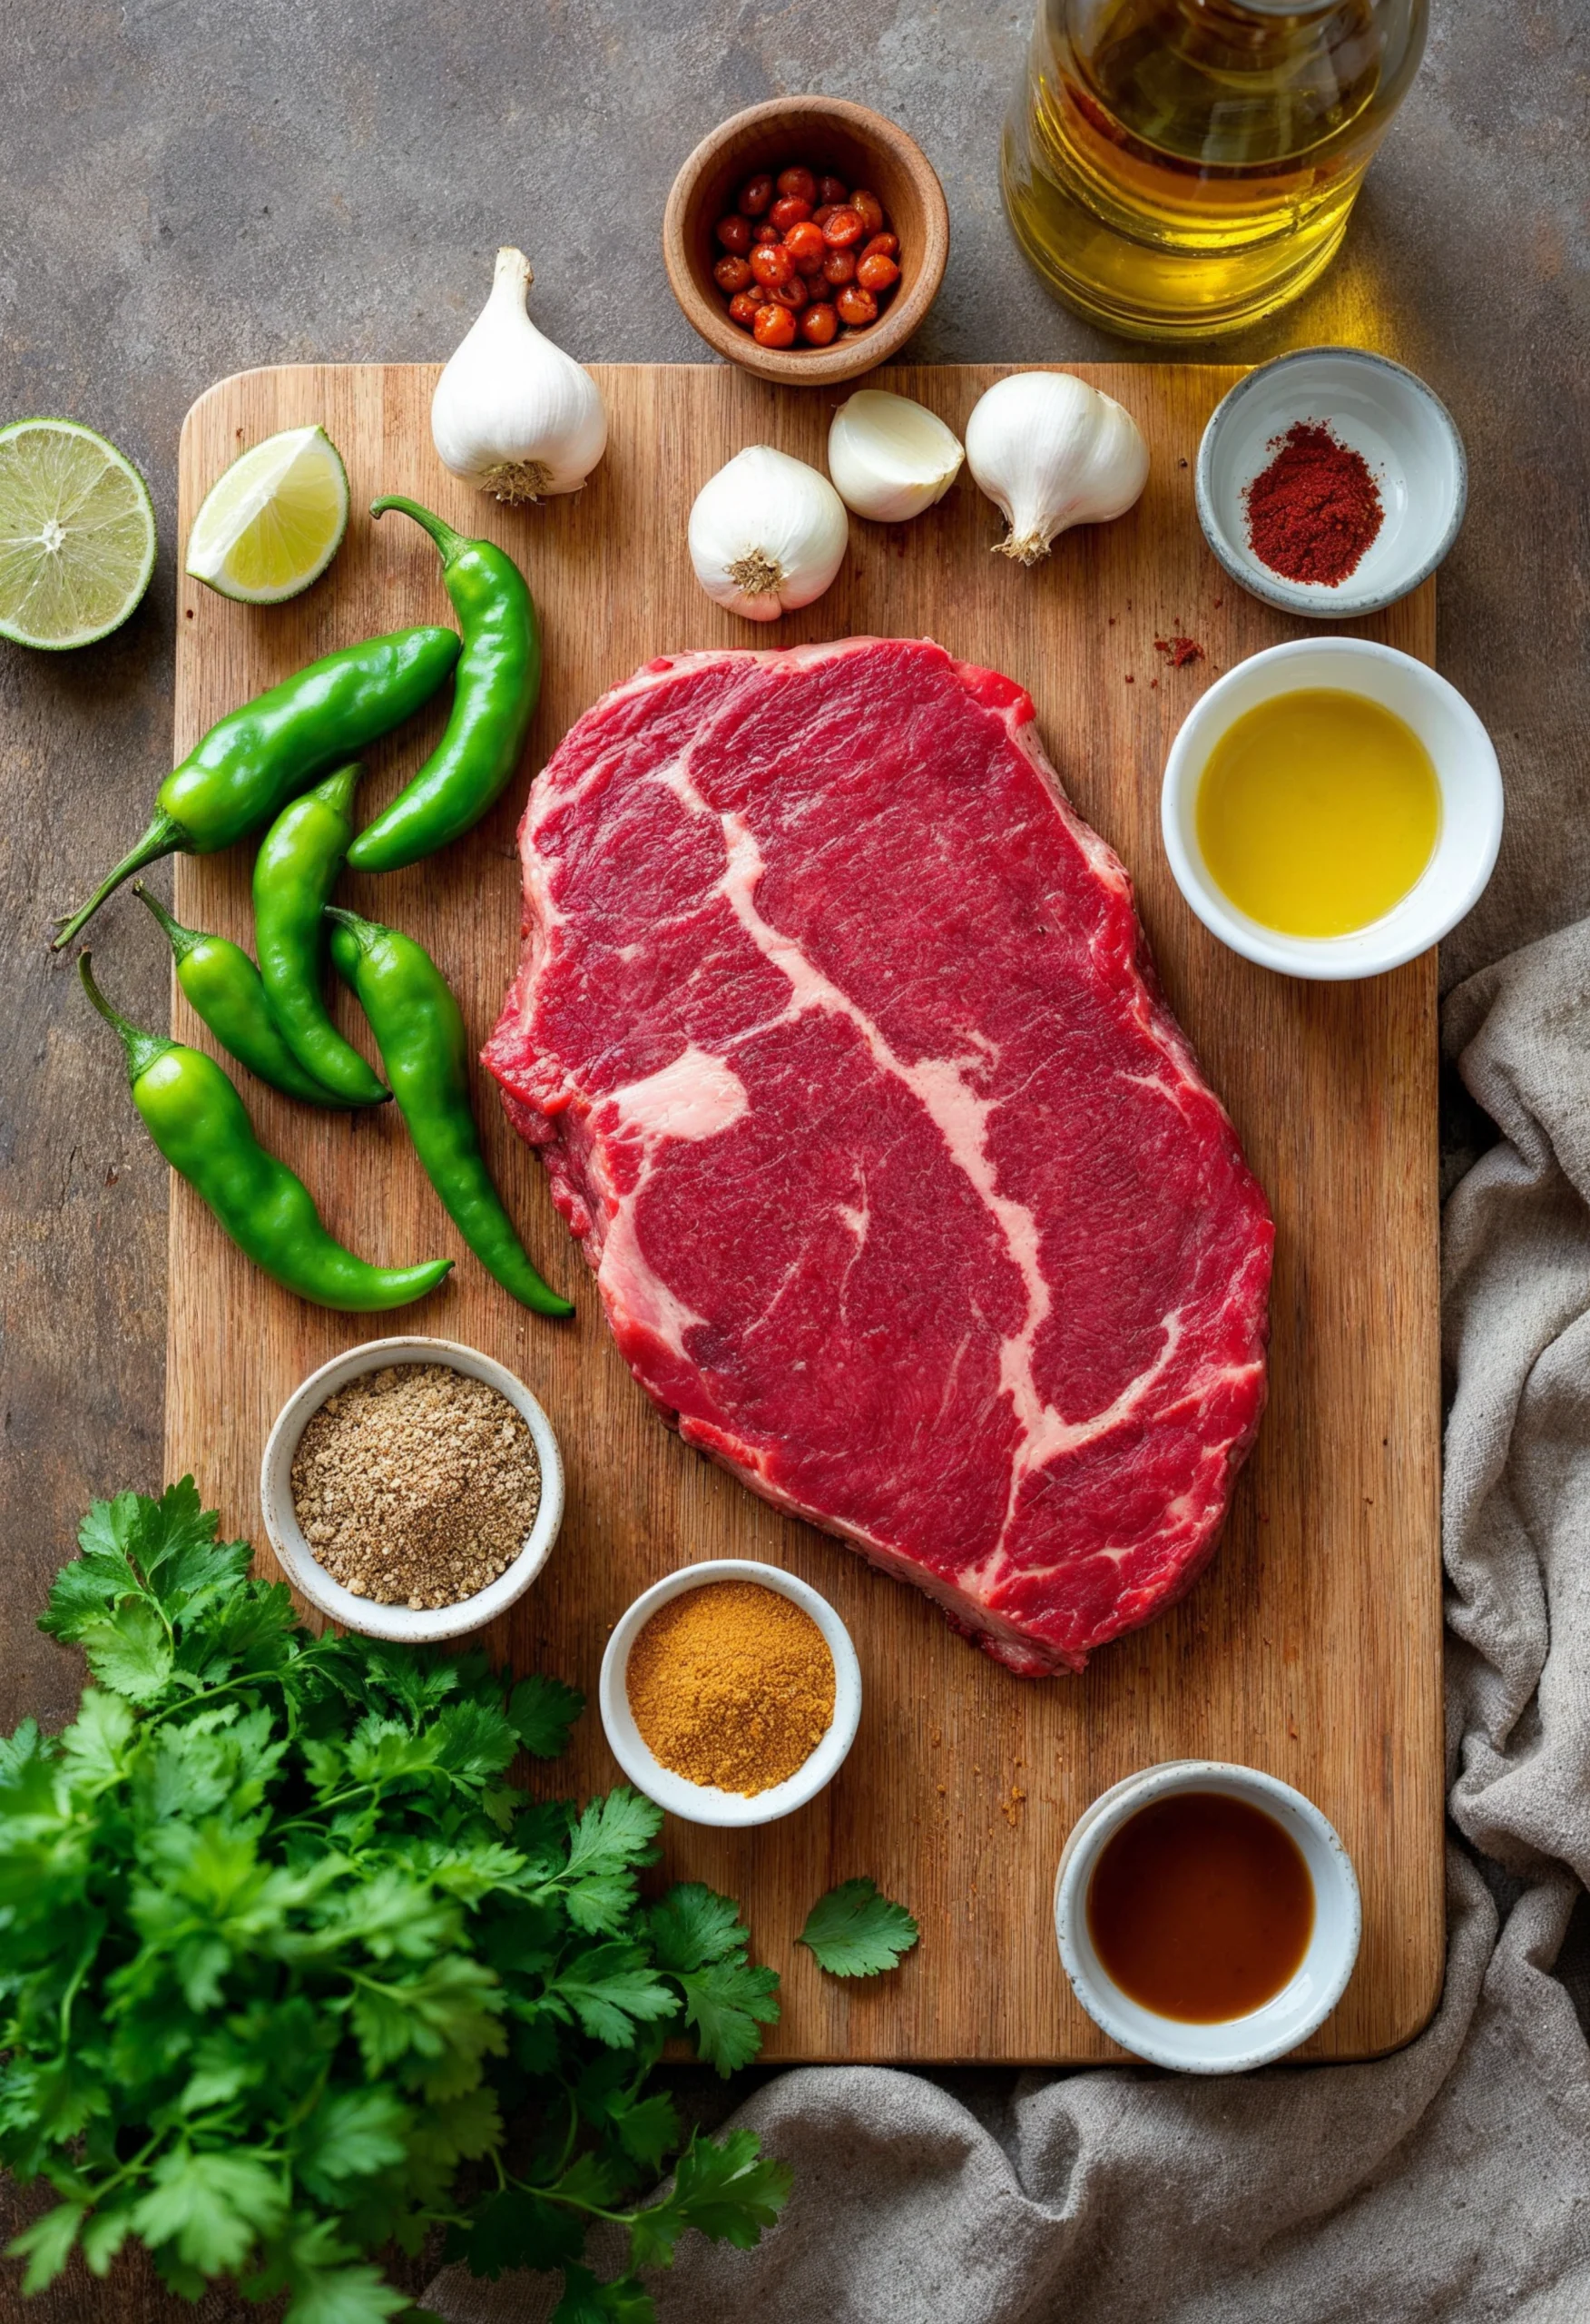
pixel 412 1489
pixel 730 1693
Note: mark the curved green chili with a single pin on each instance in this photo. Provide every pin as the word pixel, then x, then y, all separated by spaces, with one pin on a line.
pixel 294 874
pixel 499 681
pixel 247 768
pixel 202 1125
pixel 425 1052
pixel 225 992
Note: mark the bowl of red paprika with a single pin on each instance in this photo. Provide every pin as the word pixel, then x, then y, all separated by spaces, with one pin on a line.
pixel 1331 482
pixel 816 139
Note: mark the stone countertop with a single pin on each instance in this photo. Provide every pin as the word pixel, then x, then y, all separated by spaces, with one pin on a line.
pixel 192 188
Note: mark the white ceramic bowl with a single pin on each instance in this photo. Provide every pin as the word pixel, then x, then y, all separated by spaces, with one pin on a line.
pixel 1403 430
pixel 1465 769
pixel 697 1803
pixel 298 1560
pixel 1235 2045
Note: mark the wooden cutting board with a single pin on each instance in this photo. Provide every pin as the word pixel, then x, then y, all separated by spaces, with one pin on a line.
pixel 1312 1646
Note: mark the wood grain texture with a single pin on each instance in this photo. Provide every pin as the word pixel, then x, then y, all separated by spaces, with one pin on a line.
pixel 1311 1646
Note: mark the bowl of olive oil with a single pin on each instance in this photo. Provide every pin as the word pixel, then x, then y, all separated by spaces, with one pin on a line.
pixel 1331 808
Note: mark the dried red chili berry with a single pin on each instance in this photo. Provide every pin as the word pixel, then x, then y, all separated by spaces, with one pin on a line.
pixel 793 294
pixel 820 324
pixel 743 310
pixel 799 182
pixel 856 306
pixel 870 208
pixel 805 246
pixel 774 326
pixel 766 233
pixel 734 233
pixel 731 274
pixel 840 268
pixel 883 246
pixel 820 216
pixel 842 228
pixel 788 211
pixel 830 190
pixel 755 195
pixel 770 264
pixel 877 272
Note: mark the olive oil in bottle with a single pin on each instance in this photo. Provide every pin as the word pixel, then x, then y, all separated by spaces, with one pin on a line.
pixel 1177 168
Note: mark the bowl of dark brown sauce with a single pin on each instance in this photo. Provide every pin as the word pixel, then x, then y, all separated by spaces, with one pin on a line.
pixel 1208 1915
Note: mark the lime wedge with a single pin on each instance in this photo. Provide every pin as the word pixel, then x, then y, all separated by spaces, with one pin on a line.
pixel 274 521
pixel 77 535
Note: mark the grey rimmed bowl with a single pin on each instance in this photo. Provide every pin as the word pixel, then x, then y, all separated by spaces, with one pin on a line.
pixel 1404 432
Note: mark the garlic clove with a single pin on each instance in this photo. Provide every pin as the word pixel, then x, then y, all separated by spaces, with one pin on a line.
pixel 513 413
pixel 890 459
pixel 767 533
pixel 1051 452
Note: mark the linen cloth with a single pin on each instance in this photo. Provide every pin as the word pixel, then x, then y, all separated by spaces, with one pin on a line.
pixel 1449 2181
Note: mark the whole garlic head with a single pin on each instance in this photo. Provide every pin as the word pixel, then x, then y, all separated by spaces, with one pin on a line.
pixel 767 533
pixel 512 412
pixel 1052 452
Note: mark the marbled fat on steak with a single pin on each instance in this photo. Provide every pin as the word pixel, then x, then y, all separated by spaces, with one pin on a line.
pixel 836 1030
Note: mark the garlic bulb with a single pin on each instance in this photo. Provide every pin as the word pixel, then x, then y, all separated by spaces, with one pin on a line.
pixel 889 458
pixel 512 412
pixel 767 533
pixel 1052 452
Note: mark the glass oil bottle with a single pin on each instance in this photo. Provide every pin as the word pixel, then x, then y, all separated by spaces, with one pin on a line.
pixel 1177 168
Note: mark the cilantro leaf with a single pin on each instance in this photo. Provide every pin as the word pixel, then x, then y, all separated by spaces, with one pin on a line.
pixel 540 1711
pixel 726 2002
pixel 610 1990
pixel 130 1651
pixel 271 1908
pixel 94 1747
pixel 855 1931
pixel 355 2295
pixel 210 2207
pixel 726 2189
pixel 693 1925
pixel 514 2230
pixel 48 2244
pixel 587 2302
pixel 351 2134
pixel 613 1835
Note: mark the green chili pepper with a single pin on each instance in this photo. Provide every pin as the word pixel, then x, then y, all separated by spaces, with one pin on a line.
pixel 202 1125
pixel 294 874
pixel 499 681
pixel 249 766
pixel 224 989
pixel 425 1052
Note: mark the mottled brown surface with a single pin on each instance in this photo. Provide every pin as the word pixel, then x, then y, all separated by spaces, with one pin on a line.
pixel 190 187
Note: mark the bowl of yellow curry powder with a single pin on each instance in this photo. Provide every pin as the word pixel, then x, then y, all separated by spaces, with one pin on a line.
pixel 730 1693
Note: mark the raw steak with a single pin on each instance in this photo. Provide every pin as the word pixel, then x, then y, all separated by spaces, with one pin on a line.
pixel 837 1032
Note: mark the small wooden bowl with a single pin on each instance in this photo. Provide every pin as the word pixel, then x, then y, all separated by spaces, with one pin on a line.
pixel 850 140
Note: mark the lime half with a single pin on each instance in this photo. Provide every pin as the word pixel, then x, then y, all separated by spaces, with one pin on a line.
pixel 274 521
pixel 77 535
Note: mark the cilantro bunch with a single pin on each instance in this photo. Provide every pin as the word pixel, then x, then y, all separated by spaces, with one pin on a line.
pixel 290 1970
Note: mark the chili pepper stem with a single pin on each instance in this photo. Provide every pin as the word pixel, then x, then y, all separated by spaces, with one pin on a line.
pixel 182 939
pixel 451 545
pixel 164 836
pixel 144 1049
pixel 362 930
